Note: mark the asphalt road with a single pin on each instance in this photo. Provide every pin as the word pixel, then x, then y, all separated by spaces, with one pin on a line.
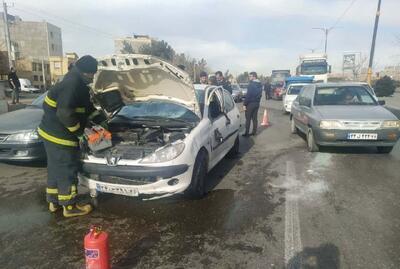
pixel 275 206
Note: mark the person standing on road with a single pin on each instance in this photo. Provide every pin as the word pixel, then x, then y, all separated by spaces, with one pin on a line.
pixel 67 107
pixel 221 81
pixel 268 90
pixel 15 85
pixel 252 103
pixel 203 78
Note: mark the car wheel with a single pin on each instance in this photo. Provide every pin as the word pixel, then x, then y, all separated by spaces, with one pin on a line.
pixel 384 149
pixel 293 128
pixel 235 149
pixel 196 189
pixel 311 145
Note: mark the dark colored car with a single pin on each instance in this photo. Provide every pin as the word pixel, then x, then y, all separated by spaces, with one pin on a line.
pixel 343 114
pixel 19 140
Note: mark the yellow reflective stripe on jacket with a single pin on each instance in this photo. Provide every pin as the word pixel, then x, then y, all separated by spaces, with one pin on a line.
pixel 74 128
pixel 57 140
pixel 80 110
pixel 68 196
pixel 50 102
pixel 53 103
pixel 51 191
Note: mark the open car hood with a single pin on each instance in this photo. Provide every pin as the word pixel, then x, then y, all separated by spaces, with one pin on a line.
pixel 126 78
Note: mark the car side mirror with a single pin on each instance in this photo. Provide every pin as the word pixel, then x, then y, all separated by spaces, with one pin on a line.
pixel 305 102
pixel 381 102
pixel 218 136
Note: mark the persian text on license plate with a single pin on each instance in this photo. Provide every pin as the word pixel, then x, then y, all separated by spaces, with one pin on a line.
pixel 129 191
pixel 362 136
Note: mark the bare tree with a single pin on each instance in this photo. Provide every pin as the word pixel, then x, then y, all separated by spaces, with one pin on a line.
pixel 127 48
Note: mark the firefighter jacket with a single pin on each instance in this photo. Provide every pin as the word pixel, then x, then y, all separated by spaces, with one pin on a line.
pixel 67 107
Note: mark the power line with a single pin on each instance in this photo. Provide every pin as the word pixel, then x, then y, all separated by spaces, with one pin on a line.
pixel 44 15
pixel 343 14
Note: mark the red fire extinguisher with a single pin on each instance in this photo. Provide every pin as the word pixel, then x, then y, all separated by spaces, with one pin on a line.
pixel 96 249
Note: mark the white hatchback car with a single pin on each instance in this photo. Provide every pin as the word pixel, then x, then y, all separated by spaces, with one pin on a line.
pixel 167 133
pixel 290 95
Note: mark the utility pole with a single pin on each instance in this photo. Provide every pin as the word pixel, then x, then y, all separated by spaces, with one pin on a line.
pixel 326 32
pixel 43 74
pixel 7 33
pixel 371 56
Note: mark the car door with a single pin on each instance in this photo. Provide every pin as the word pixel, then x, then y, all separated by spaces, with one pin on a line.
pixel 218 131
pixel 232 120
pixel 302 111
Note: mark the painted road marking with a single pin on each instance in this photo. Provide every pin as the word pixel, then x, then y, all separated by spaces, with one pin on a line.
pixel 293 244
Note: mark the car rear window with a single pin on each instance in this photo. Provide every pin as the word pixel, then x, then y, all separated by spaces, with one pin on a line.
pixel 343 95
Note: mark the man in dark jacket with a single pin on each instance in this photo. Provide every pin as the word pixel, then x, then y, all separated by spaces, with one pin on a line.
pixel 15 85
pixel 67 107
pixel 221 81
pixel 252 103
pixel 268 90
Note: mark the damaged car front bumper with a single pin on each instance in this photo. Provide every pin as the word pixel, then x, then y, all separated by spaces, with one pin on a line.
pixel 136 181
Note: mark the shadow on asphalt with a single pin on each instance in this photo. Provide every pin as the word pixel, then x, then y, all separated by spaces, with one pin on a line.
pixel 326 256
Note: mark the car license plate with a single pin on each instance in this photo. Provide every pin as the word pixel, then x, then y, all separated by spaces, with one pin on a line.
pixel 126 190
pixel 362 136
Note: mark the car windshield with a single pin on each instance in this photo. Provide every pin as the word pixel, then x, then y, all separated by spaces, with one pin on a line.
pixel 317 68
pixel 279 77
pixel 38 102
pixel 343 95
pixel 157 110
pixel 294 90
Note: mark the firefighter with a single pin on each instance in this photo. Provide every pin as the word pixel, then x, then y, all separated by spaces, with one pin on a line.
pixel 67 107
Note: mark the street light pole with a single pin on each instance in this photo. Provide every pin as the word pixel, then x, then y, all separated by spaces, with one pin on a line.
pixel 7 34
pixel 326 32
pixel 371 56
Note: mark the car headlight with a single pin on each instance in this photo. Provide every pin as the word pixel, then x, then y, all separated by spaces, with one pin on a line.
pixel 330 124
pixel 390 124
pixel 165 154
pixel 24 136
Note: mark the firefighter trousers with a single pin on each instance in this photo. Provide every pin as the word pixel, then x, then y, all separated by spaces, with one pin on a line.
pixel 62 173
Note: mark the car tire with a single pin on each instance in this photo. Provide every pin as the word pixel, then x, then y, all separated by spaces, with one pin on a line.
pixel 311 145
pixel 196 189
pixel 384 150
pixel 293 128
pixel 234 151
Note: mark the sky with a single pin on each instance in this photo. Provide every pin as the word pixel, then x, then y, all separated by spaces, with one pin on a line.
pixel 246 35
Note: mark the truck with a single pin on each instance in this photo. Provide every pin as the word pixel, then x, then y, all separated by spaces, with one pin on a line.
pixel 277 83
pixel 315 64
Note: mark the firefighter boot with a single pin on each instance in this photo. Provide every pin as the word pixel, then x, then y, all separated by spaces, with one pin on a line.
pixel 53 207
pixel 76 210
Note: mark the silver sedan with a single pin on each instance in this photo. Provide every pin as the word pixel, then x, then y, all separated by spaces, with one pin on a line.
pixel 343 114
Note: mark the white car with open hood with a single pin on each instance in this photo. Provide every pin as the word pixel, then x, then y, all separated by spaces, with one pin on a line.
pixel 167 133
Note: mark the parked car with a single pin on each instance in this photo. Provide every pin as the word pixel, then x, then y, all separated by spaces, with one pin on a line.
pixel 26 86
pixel 19 140
pixel 243 87
pixel 343 114
pixel 290 95
pixel 167 133
pixel 236 93
pixel 293 86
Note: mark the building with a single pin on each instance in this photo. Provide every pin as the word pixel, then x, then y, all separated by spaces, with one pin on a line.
pixel 32 45
pixel 59 65
pixel 36 70
pixel 133 43
pixel 31 39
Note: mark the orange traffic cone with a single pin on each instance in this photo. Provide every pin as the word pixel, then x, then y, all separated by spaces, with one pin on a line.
pixel 265 121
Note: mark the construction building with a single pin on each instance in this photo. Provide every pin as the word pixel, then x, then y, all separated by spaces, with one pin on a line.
pixel 131 44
